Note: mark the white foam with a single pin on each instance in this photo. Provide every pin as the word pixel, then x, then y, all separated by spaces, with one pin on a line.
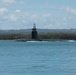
pixel 33 41
pixel 71 41
pixel 36 41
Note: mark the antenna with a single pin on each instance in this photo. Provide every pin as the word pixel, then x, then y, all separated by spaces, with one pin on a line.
pixel 34 25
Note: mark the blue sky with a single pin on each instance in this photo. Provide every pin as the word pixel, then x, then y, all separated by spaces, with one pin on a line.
pixel 47 14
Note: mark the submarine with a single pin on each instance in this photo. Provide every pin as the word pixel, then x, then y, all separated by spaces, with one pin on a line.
pixel 34 36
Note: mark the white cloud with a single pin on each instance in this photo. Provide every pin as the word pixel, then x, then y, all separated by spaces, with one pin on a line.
pixel 17 11
pixel 8 1
pixel 71 10
pixel 25 20
pixel 3 11
pixel 44 21
pixel 11 17
pixel 15 16
pixel 47 15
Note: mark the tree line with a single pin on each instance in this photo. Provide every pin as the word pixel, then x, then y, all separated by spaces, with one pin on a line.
pixel 60 36
pixel 14 36
pixel 57 36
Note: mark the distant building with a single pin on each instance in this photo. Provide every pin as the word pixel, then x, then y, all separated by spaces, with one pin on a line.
pixel 34 32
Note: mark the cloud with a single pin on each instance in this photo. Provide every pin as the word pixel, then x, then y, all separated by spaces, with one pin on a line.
pixel 14 16
pixel 17 11
pixel 20 19
pixel 11 18
pixel 3 11
pixel 8 1
pixel 71 10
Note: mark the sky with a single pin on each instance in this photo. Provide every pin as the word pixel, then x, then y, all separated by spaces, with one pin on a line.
pixel 47 14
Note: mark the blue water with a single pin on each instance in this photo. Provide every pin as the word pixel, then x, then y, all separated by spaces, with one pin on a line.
pixel 37 58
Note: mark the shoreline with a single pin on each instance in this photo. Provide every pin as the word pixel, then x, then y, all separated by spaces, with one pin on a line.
pixel 41 40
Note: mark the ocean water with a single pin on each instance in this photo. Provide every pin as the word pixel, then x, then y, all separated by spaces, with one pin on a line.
pixel 37 58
